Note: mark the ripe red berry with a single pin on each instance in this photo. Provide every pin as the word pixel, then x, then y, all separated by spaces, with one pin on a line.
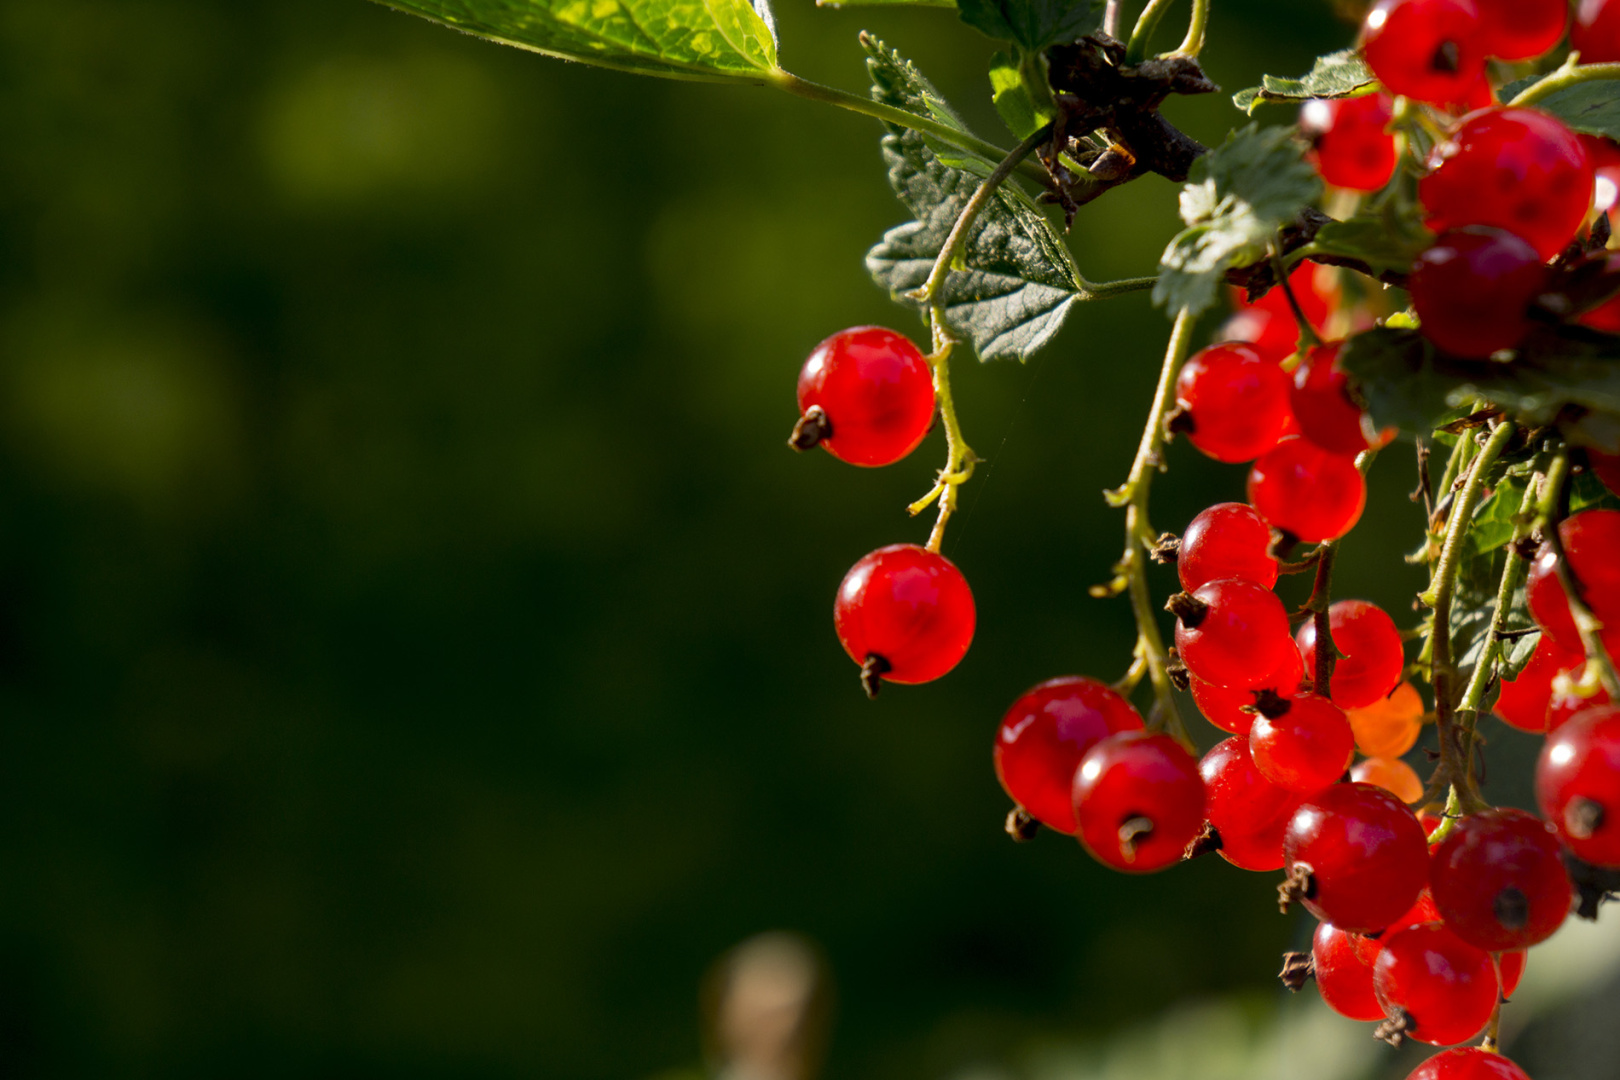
pixel 1343 977
pixel 1306 491
pixel 1223 705
pixel 1247 810
pixel 1522 29
pixel 1232 633
pixel 1445 987
pixel 1229 540
pixel 1431 50
pixel 1421 911
pixel 1518 170
pixel 1578 784
pixel 1302 743
pixel 1349 144
pixel 1499 882
pixel 1046 733
pixel 1268 323
pixel 1570 697
pixel 1359 854
pixel 1372 656
pixel 908 607
pixel 1606 467
pixel 1472 290
pixel 1323 407
pixel 1523 702
pixel 875 396
pixel 1138 801
pixel 1232 401
pixel 1468 1063
pixel 1597 31
pixel 1591 540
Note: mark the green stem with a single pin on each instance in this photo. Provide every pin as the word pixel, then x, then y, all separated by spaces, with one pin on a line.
pixel 1308 337
pixel 1588 624
pixel 1565 77
pixel 1108 289
pixel 1146 23
pixel 1193 43
pixel 959 456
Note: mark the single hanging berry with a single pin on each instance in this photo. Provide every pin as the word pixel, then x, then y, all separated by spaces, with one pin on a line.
pixel 1371 653
pixel 1591 541
pixel 1231 402
pixel 1046 733
pixel 1524 701
pixel 1498 880
pixel 1393 775
pixel 1597 31
pixel 1578 785
pixel 1229 540
pixel 1224 706
pixel 1468 1063
pixel 1522 29
pixel 1138 801
pixel 1302 743
pixel 1327 413
pixel 1344 979
pixel 1441 988
pixel 1473 288
pixel 866 395
pixel 1519 170
pixel 1247 811
pixel 1231 632
pixel 1390 726
pixel 1307 492
pixel 905 614
pixel 1356 857
pixel 1350 145
pixel 1431 50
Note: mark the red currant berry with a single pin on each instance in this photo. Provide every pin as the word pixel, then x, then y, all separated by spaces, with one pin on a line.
pixel 1343 977
pixel 1431 50
pixel 1421 911
pixel 1372 656
pixel 1606 467
pixel 1306 491
pixel 1268 323
pixel 1232 402
pixel 865 394
pixel 1302 743
pixel 1510 966
pixel 905 613
pixel 1597 31
pixel 1350 145
pixel 1518 170
pixel 1327 413
pixel 1138 801
pixel 1468 1063
pixel 1393 775
pixel 1522 29
pixel 1229 540
pixel 1231 632
pixel 1591 541
pixel 1357 855
pixel 1472 290
pixel 1523 702
pixel 1046 733
pixel 1568 697
pixel 1247 810
pixel 1578 784
pixel 1498 879
pixel 1224 706
pixel 1444 987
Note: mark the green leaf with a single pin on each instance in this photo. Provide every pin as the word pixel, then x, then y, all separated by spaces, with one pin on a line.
pixel 1592 107
pixel 1384 241
pixel 712 40
pixel 1239 194
pixel 1034 24
pixel 886 3
pixel 1336 75
pixel 1015 95
pixel 1018 280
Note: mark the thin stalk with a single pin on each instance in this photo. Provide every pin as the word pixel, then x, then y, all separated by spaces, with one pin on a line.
pixel 1146 23
pixel 1591 628
pixel 1308 337
pixel 1111 19
pixel 1322 598
pixel 1565 77
pixel 1193 43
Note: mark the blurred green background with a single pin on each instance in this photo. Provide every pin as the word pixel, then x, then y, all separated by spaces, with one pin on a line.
pixel 414 644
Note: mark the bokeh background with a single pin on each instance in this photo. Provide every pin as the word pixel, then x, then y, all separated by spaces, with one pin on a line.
pixel 414 644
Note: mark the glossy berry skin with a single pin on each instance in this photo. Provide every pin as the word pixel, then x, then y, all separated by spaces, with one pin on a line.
pixel 1393 775
pixel 1305 748
pixel 1233 402
pixel 1566 699
pixel 1446 986
pixel 1431 50
pixel 1241 636
pixel 1372 655
pixel 1249 811
pixel 1349 144
pixel 1522 29
pixel 1473 288
pixel 876 390
pixel 1578 784
pixel 1524 702
pixel 1138 801
pixel 1046 733
pixel 908 605
pixel 1468 1063
pixel 1390 726
pixel 1591 539
pixel 1421 911
pixel 1268 323
pixel 1344 979
pixel 1322 405
pixel 1229 540
pixel 1597 31
pixel 1499 882
pixel 1306 491
pixel 1365 852
pixel 1223 705
pixel 1518 170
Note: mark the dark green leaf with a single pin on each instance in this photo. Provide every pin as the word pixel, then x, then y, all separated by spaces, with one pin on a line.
pixel 680 39
pixel 1516 653
pixel 1024 103
pixel 1592 107
pixel 1382 241
pixel 1336 75
pixel 1239 195
pixel 1034 24
pixel 1495 517
pixel 1019 280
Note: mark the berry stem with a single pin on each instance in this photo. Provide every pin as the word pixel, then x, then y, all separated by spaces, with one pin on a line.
pixel 1308 337
pixel 1590 627
pixel 959 456
pixel 1571 74
pixel 1197 23
pixel 1146 23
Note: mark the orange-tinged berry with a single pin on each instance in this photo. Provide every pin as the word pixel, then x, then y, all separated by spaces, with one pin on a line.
pixel 1393 775
pixel 1390 726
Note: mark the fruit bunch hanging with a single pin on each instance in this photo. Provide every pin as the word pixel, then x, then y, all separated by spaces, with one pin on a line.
pixel 1423 257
